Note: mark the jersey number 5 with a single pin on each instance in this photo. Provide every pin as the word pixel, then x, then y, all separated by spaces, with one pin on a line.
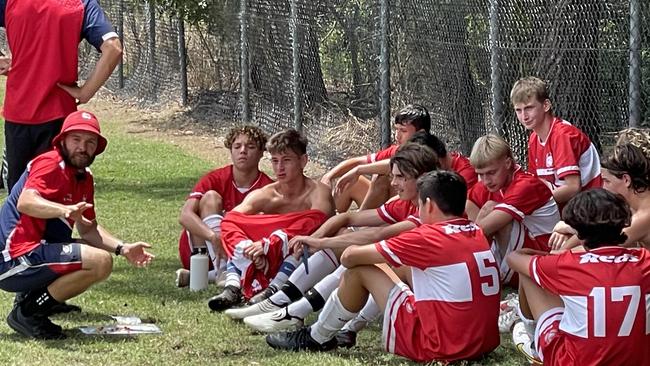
pixel 487 267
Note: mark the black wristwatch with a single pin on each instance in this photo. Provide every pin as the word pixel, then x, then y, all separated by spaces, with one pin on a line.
pixel 118 249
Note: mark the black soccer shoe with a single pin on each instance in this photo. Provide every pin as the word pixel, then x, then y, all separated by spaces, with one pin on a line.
pixel 299 340
pixel 60 308
pixel 230 297
pixel 35 326
pixel 263 295
pixel 346 338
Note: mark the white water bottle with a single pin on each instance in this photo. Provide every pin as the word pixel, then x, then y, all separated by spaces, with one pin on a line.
pixel 199 264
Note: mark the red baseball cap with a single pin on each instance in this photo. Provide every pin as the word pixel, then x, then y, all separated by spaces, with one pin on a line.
pixel 82 121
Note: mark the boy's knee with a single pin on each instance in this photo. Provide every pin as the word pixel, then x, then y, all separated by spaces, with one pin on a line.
pixel 210 203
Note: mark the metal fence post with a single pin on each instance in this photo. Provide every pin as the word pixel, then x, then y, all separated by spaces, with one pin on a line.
pixel 182 54
pixel 634 91
pixel 384 73
pixel 244 71
pixel 295 47
pixel 152 44
pixel 120 34
pixel 495 75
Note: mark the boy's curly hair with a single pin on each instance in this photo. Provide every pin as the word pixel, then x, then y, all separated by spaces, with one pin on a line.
pixel 254 133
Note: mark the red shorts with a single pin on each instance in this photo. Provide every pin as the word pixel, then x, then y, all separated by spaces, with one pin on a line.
pixel 548 338
pixel 402 330
pixel 185 250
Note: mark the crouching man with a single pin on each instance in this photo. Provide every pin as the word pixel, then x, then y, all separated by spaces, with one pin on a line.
pixel 40 260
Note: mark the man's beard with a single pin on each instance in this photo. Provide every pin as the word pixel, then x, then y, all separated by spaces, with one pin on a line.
pixel 78 160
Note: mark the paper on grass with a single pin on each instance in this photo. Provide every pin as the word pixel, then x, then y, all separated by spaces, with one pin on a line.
pixel 130 325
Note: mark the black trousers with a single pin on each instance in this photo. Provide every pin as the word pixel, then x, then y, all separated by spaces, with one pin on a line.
pixel 24 143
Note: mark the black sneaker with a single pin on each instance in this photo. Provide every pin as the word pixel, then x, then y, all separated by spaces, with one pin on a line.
pixel 230 297
pixel 60 308
pixel 268 292
pixel 346 338
pixel 38 327
pixel 298 341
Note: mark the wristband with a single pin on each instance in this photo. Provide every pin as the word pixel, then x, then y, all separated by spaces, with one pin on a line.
pixel 118 249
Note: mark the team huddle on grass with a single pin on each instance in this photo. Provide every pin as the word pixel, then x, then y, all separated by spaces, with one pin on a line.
pixel 435 239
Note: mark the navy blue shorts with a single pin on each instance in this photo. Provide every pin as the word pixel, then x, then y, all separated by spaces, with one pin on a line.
pixel 40 267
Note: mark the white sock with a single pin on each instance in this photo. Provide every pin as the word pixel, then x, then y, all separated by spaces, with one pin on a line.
pixel 286 269
pixel 233 278
pixel 214 223
pixel 321 264
pixel 529 324
pixel 369 313
pixel 331 319
pixel 325 287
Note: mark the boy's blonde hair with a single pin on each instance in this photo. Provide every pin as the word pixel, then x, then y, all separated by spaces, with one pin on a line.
pixel 529 87
pixel 487 149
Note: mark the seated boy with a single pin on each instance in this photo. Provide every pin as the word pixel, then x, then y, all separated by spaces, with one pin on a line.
pixel 586 306
pixel 392 218
pixel 371 194
pixel 217 192
pixel 513 207
pixel 441 299
pixel 558 152
pixel 453 161
pixel 255 234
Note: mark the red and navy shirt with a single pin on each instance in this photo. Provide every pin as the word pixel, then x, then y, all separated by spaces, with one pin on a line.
pixel 55 181
pixel 43 37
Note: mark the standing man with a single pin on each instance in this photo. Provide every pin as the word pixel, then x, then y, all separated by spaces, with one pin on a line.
pixel 39 257
pixel 43 37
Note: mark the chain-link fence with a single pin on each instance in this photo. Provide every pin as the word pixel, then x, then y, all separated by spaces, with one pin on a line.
pixel 338 68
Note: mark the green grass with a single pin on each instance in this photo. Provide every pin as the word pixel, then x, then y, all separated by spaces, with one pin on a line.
pixel 140 186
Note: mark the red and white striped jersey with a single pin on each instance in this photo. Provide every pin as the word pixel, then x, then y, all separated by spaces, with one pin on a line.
pixel 456 287
pixel 527 199
pixel 606 295
pixel 566 151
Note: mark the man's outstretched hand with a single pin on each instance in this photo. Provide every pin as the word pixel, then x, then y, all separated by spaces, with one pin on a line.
pixel 137 255
pixel 75 212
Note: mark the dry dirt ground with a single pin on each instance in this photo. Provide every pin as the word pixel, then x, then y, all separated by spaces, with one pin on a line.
pixel 201 138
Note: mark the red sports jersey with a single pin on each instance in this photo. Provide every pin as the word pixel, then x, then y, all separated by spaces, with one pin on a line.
pixel 455 278
pixel 606 294
pixel 397 210
pixel 57 182
pixel 43 37
pixel 222 181
pixel 527 200
pixel 384 154
pixel 460 164
pixel 275 231
pixel 566 151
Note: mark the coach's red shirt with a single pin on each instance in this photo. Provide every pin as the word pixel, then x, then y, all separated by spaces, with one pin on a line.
pixel 43 37
pixel 55 181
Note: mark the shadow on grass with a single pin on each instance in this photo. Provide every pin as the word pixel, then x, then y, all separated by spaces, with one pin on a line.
pixel 167 188
pixel 156 284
